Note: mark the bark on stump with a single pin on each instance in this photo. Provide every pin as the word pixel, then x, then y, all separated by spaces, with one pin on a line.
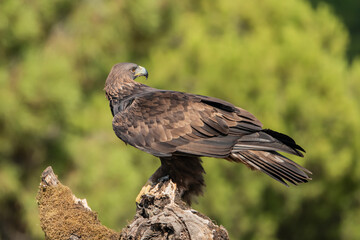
pixel 160 215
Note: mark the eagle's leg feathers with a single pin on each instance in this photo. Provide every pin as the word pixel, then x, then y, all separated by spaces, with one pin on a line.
pixel 185 172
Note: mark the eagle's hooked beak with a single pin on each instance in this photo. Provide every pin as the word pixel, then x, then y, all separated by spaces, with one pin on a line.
pixel 141 71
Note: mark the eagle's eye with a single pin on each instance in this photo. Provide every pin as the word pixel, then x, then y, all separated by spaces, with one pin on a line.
pixel 133 69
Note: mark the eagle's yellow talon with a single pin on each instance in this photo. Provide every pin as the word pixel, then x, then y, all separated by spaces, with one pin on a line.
pixel 145 190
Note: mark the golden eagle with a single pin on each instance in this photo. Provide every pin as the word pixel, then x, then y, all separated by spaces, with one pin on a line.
pixel 179 128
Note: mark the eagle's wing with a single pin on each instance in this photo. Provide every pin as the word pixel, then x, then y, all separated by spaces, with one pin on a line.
pixel 164 123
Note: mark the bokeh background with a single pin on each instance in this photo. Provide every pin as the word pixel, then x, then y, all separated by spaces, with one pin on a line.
pixel 294 64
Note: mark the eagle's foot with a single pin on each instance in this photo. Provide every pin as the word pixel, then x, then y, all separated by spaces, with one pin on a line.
pixel 145 190
pixel 151 188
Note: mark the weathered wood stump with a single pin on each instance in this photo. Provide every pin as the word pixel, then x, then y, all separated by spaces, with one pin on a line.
pixel 160 215
pixel 63 216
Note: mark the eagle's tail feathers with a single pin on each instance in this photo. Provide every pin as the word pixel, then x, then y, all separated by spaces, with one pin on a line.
pixel 273 164
pixel 268 140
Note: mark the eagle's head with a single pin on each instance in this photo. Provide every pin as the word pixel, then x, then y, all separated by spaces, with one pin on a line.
pixel 128 70
pixel 122 74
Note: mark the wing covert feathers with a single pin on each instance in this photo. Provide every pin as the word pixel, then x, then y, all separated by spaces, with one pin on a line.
pixel 164 123
pixel 169 124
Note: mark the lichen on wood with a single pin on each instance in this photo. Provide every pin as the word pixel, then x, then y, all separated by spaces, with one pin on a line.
pixel 63 216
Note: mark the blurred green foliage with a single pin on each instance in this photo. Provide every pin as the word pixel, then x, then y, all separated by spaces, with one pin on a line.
pixel 348 12
pixel 281 60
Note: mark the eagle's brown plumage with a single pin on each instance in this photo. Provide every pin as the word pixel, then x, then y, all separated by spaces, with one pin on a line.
pixel 180 127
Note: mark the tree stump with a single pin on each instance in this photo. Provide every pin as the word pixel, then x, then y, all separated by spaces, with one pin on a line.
pixel 160 215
